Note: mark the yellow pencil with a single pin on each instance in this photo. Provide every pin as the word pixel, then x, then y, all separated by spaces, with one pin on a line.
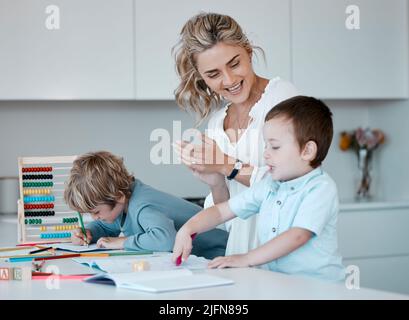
pixel 15 249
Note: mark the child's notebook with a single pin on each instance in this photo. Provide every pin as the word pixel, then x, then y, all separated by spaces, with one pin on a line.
pixel 160 281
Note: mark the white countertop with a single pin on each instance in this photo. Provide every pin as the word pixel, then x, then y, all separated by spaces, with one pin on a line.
pixel 250 283
pixel 355 205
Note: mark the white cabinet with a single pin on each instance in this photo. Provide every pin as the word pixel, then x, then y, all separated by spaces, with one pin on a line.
pixel 384 273
pixel 374 236
pixel 332 61
pixel 122 49
pixel 158 24
pixel 89 57
pixel 373 232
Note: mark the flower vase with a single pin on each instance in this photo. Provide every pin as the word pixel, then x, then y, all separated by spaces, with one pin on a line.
pixel 364 162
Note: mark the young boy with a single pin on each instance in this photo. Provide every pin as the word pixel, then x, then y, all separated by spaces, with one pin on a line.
pixel 100 184
pixel 297 201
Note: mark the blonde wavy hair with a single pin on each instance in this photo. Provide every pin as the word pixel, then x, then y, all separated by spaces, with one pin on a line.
pixel 97 178
pixel 200 33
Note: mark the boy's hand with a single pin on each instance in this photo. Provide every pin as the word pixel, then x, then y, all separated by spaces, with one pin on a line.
pixel 77 237
pixel 111 242
pixel 183 245
pixel 235 261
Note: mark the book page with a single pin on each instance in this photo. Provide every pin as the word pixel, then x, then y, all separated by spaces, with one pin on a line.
pixel 160 281
pixel 158 262
pixel 177 283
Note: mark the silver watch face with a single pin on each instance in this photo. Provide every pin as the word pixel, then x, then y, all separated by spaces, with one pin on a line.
pixel 238 165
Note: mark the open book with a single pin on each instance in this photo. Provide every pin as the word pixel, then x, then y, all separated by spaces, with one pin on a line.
pixel 163 274
pixel 160 281
pixel 161 261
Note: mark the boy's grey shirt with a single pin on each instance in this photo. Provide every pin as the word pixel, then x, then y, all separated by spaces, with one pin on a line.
pixel 152 221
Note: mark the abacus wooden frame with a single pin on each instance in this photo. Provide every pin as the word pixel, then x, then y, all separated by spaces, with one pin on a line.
pixel 22 161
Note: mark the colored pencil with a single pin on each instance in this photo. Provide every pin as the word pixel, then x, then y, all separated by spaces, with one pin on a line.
pixel 95 255
pixel 13 249
pixel 45 276
pixel 129 253
pixel 33 244
pixel 83 228
pixel 63 256
pixel 41 250
pixel 115 254
pixel 27 258
pixel 32 256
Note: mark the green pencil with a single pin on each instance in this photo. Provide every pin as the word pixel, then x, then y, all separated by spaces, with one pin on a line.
pixel 83 228
pixel 129 253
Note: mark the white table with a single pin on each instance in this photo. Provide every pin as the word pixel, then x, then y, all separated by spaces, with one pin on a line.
pixel 250 284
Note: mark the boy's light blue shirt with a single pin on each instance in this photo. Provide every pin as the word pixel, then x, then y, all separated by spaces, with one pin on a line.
pixel 309 202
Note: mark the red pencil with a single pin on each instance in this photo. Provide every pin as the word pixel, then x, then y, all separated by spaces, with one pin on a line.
pixel 64 256
pixel 35 243
pixel 45 276
pixel 179 259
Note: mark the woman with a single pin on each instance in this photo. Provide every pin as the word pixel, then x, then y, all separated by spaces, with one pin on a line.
pixel 214 63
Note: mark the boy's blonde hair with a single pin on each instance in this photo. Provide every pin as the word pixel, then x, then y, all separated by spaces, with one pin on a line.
pixel 97 178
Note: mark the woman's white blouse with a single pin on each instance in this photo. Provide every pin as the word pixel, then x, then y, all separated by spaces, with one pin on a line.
pixel 249 149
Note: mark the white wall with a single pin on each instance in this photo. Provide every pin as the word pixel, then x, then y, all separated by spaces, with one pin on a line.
pixel 65 128
pixel 392 159
pixel 34 128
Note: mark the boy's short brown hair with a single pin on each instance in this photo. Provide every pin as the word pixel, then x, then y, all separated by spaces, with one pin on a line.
pixel 97 178
pixel 312 121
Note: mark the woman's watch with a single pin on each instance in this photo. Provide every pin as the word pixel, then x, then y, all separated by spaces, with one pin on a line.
pixel 237 166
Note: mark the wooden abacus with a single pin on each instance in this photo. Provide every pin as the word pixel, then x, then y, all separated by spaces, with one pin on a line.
pixel 43 215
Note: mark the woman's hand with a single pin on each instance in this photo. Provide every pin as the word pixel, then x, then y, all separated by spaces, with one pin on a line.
pixel 235 261
pixel 77 237
pixel 206 157
pixel 214 180
pixel 111 242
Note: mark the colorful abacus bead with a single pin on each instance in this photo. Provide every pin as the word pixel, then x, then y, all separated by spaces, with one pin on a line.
pixel 70 227
pixel 37 184
pixel 69 220
pixel 39 213
pixel 34 221
pixel 36 191
pixel 29 199
pixel 43 228
pixel 55 235
pixel 37 176
pixel 37 169
pixel 39 206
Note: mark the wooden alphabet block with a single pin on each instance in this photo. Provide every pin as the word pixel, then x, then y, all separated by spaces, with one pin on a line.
pixel 141 265
pixel 22 273
pixel 5 274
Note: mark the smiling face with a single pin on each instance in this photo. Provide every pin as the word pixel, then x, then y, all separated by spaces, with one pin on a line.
pixel 106 213
pixel 283 156
pixel 227 70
